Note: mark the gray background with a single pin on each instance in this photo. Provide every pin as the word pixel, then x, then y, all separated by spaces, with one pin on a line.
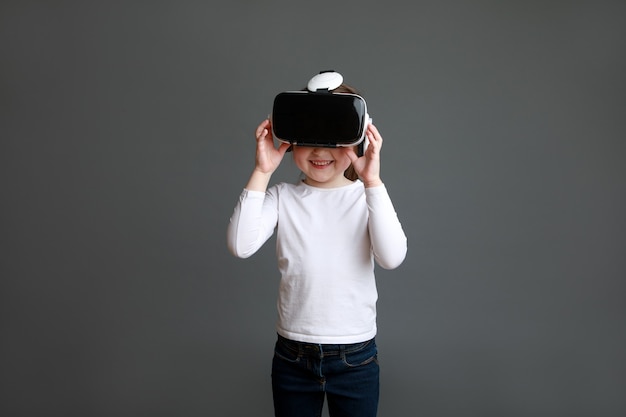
pixel 127 135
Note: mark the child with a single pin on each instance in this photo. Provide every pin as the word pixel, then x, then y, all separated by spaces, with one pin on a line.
pixel 331 227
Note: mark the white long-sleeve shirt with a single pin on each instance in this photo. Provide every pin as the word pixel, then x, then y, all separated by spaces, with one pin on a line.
pixel 327 242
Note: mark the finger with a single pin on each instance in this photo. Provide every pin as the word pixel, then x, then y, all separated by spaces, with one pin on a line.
pixel 262 129
pixel 375 132
pixel 376 140
pixel 261 134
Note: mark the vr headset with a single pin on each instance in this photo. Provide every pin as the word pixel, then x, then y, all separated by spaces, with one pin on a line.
pixel 319 117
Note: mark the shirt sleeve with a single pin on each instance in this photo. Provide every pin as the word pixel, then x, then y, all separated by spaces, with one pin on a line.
pixel 252 223
pixel 389 243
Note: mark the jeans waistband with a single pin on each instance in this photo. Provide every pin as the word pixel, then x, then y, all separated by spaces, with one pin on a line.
pixel 325 349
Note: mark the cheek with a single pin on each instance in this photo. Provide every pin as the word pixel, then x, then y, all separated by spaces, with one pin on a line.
pixel 300 158
pixel 342 160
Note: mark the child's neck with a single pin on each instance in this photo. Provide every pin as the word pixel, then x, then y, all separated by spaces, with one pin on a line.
pixel 334 183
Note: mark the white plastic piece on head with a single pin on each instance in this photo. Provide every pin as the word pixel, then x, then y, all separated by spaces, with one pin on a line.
pixel 366 142
pixel 325 81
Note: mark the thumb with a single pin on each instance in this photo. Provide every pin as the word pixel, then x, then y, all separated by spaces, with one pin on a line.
pixel 282 149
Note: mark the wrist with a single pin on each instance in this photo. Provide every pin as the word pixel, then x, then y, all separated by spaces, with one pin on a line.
pixel 258 180
pixel 374 182
pixel 261 172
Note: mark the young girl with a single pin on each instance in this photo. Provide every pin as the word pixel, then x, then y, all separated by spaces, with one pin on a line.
pixel 331 227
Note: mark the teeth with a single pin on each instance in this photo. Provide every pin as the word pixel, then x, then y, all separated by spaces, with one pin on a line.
pixel 321 163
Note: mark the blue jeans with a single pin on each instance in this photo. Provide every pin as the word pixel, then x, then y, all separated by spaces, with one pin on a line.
pixel 304 373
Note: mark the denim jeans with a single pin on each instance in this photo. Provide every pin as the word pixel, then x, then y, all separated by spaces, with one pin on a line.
pixel 303 374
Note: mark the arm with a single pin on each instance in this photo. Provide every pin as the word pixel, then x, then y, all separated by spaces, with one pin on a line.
pixel 389 243
pixel 255 216
pixel 252 223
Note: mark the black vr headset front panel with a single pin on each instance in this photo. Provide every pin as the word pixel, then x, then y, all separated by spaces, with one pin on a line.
pixel 319 119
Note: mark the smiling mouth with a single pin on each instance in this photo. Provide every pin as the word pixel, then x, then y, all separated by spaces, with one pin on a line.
pixel 321 164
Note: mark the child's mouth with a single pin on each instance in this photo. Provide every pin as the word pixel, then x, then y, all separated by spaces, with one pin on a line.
pixel 320 164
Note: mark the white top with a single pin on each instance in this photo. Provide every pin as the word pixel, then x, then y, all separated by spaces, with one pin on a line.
pixel 327 241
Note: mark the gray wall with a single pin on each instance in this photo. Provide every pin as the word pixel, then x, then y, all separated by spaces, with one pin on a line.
pixel 127 135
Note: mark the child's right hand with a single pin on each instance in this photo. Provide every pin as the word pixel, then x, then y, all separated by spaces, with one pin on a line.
pixel 268 157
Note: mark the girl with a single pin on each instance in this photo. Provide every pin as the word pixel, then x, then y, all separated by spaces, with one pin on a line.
pixel 331 227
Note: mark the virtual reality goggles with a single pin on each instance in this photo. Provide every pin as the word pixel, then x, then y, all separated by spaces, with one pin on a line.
pixel 318 116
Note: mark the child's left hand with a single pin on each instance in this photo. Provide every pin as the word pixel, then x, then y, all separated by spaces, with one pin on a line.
pixel 368 165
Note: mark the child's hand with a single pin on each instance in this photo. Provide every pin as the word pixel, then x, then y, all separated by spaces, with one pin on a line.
pixel 368 165
pixel 268 157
